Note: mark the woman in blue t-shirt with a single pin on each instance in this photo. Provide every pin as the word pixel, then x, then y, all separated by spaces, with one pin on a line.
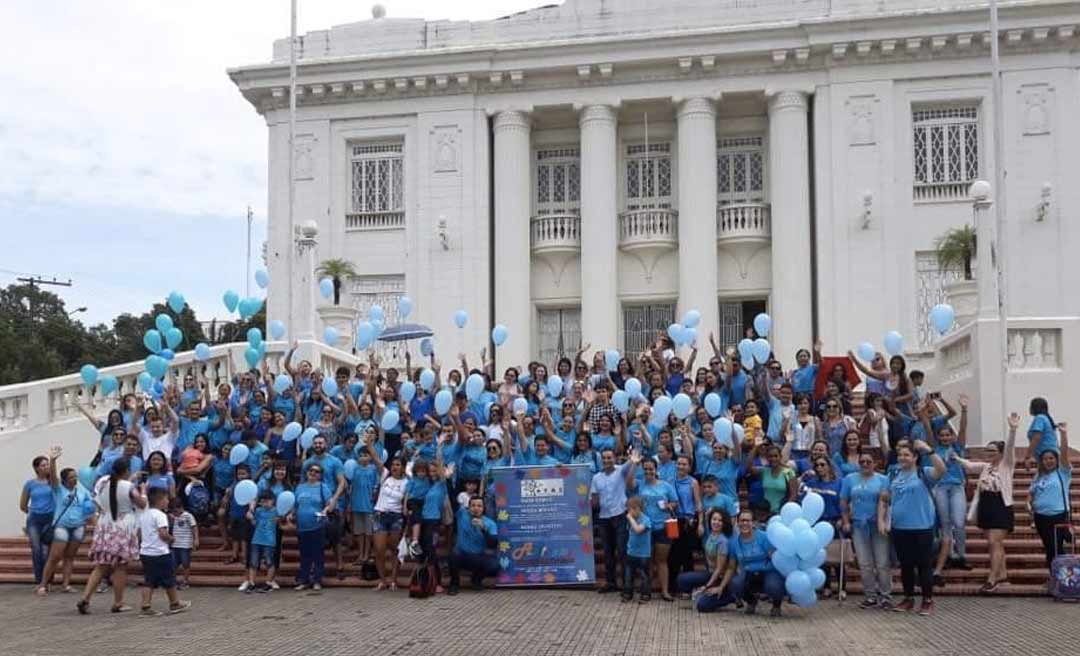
pixel 860 500
pixel 661 502
pixel 911 520
pixel 706 585
pixel 1042 433
pixel 826 481
pixel 38 502
pixel 73 507
pixel 750 571
pixel 1049 496
pixel 314 501
pixel 157 475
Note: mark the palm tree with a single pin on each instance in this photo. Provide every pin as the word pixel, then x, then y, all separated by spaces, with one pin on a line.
pixel 955 249
pixel 338 271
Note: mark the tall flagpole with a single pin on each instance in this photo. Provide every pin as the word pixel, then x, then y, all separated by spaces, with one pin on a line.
pixel 998 247
pixel 291 234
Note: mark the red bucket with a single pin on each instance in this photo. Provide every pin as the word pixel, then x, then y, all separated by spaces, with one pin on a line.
pixel 671 528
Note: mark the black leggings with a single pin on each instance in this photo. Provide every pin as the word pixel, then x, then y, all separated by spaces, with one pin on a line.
pixel 915 551
pixel 1053 541
pixel 681 556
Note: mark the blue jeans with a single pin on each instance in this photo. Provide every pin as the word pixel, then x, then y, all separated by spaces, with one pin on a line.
pixel 36 525
pixel 612 531
pixel 479 565
pixel 311 557
pixel 875 556
pixel 642 566
pixel 746 586
pixel 687 582
pixel 951 503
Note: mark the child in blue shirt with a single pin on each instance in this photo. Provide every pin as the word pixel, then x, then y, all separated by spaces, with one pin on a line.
pixel 638 551
pixel 263 546
pixel 415 492
pixel 363 483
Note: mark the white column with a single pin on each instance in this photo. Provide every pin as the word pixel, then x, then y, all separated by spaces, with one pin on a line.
pixel 697 213
pixel 789 194
pixel 513 294
pixel 599 228
pixel 304 298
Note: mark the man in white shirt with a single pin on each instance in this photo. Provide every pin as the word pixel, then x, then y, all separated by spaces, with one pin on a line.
pixel 157 439
pixel 608 492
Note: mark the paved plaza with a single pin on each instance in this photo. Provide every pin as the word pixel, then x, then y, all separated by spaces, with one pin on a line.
pixel 508 623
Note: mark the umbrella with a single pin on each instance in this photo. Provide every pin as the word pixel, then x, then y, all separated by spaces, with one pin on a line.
pixel 405 331
pixel 824 373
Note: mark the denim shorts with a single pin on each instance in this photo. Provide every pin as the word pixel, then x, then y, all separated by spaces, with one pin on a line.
pixel 389 522
pixel 181 557
pixel 158 571
pixel 260 554
pixel 63 534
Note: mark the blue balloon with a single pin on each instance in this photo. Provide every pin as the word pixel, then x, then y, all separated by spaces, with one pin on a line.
pixel 329 387
pixel 681 406
pixel 621 400
pixel 254 337
pixel 762 324
pixel 894 343
pixel 633 388
pixel 238 454
pixel 390 420
pixel 691 319
pixel 426 347
pixel 262 278
pixel 89 374
pixel 784 563
pixel 782 538
pixel 407 392
pixel 330 335
pixel 404 307
pixel 163 322
pixel 249 307
pixel 461 317
pixel 292 431
pixel 277 329
pixel 740 433
pixel 789 512
pixel 806 542
pixel 87 477
pixel 202 351
pixel 251 356
pixel 761 350
pixel 723 429
pixel 713 404
pixel 427 380
pixel 245 491
pixel 158 389
pixel 231 299
pixel 689 336
pixel 611 359
pixel 942 316
pixel 157 366
pixel 176 302
pixel 168 354
pixel 326 288
pixel 109 384
pixel 350 469
pixel 797 584
pixel 746 351
pixel 675 332
pixel 365 335
pixel 499 334
pixel 866 351
pixel 307 437
pixel 662 407
pixel 146 381
pixel 285 502
pixel 798 524
pixel 814 561
pixel 812 506
pixel 152 341
pixel 555 386
pixel 443 400
pixel 825 533
pixel 805 601
pixel 520 406
pixel 474 386
pixel 376 314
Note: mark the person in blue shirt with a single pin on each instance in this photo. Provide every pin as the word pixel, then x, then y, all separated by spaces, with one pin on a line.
pixel 73 507
pixel 431 514
pixel 911 521
pixel 1042 433
pixel 362 486
pixel 476 535
pixel 661 504
pixel 750 571
pixel 846 460
pixel 860 495
pixel 1048 494
pixel 566 439
pixel 333 474
pixel 826 482
pixel 315 500
pixel 803 378
pixel 638 551
pixel 191 424
pixel 416 490
pixel 110 453
pixel 713 499
pixel 950 493
pixel 537 455
pixel 39 503
pixel 222 473
pixel 261 551
pixel 157 474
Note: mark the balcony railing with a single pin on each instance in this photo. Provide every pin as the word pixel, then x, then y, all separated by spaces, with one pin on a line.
pixel 555 233
pixel 648 227
pixel 374 221
pixel 743 222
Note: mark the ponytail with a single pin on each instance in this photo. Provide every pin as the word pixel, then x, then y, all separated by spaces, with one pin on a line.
pixel 120 469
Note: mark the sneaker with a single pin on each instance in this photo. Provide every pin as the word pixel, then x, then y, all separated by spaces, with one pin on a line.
pixel 886 604
pixel 102 587
pixel 150 612
pixel 868 603
pixel 246 586
pixel 414 549
pixel 775 612
pixel 273 585
pixel 179 608
pixel 627 597
pixel 452 590
pixel 751 608
pixel 905 606
pixel 317 587
pixel 604 589
pixel 300 587
pixel 262 588
pixel 926 608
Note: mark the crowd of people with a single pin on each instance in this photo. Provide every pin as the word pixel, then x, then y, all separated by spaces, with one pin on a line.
pixel 380 475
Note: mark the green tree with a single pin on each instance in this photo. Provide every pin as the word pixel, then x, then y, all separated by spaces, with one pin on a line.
pixel 37 337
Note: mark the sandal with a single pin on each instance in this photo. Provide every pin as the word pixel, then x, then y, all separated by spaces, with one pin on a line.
pixel 83 606
pixel 68 589
pixel 667 597
pixel 393 587
pixel 121 609
pixel 41 591
pixel 381 586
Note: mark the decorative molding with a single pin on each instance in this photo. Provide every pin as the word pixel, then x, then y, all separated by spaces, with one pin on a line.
pixel 442 81
pixel 584 71
pixel 1014 37
pixel 863 48
pixel 446 148
pixel 888 46
pixel 963 41
pixel 462 79
pixel 913 44
pixel 685 64
pixel 420 83
pixel 337 88
pixel 401 83
pixel 318 90
pixel 1066 32
pixel 708 62
pixel 1036 107
pixel 304 157
pixel 605 70
pixel 697 108
pixel 938 42
pixel 743 257
pixel 597 114
pixel 512 120
pixel 839 50
pixel 862 116
pixel 358 86
pixel 779 56
pixel 787 99
pixel 496 78
pixel 802 55
pixel 517 77
pixel 379 86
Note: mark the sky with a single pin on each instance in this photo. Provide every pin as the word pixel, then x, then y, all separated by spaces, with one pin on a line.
pixel 128 158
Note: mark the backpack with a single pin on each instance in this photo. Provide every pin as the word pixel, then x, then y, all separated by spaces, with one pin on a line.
pixel 198 501
pixel 423 582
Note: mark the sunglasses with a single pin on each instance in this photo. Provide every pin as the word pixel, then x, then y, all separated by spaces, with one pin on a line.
pixel 832 406
pixel 821 464
pixel 314 471
pixel 492 448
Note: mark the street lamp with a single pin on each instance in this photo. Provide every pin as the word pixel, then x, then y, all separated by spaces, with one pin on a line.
pixel 76 311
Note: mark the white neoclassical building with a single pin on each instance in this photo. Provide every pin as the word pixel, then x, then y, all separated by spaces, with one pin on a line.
pixel 586 172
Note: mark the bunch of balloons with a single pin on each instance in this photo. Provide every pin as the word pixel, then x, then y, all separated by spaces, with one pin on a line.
pixel 800 541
